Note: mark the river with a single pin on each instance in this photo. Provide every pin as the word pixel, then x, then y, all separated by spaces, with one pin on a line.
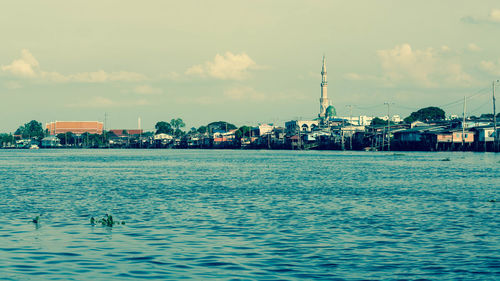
pixel 249 215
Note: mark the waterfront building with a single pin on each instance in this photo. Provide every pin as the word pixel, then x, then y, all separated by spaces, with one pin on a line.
pixel 163 137
pixel 51 141
pixel 394 118
pixel 224 139
pixel 75 127
pixel 265 129
pixel 163 140
pixel 350 130
pixel 126 132
pixel 293 126
pixel 362 120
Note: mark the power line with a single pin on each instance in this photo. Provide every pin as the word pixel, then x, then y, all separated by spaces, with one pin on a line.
pixel 405 107
pixel 479 107
pixel 369 107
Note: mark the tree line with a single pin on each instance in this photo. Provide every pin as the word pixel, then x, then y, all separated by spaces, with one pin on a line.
pixel 427 114
pixel 34 129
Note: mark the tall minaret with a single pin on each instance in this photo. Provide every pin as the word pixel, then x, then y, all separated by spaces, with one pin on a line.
pixel 323 101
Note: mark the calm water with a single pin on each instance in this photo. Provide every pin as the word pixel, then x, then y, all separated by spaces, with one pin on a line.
pixel 249 215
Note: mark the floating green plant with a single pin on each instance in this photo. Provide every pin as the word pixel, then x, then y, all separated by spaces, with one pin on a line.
pixel 36 219
pixel 107 220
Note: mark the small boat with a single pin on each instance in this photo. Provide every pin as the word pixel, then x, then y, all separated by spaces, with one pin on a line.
pixel 33 146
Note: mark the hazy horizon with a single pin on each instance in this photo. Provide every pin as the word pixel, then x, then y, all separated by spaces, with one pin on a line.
pixel 242 62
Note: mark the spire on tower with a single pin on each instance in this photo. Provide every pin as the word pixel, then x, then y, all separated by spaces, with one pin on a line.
pixel 323 101
pixel 323 68
pixel 323 72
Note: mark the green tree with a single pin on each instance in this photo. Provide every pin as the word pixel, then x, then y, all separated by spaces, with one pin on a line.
pixel 487 116
pixel 221 126
pixel 243 131
pixel 179 133
pixel 32 129
pixel 202 129
pixel 109 134
pixel 426 114
pixel 148 134
pixel 67 138
pixel 177 123
pixel 163 127
pixel 20 131
pixel 6 139
pixel 95 140
pixel 378 122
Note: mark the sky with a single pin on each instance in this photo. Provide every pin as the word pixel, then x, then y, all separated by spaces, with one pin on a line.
pixel 246 62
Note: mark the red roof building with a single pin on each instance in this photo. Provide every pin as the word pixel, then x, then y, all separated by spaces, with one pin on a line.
pixel 75 127
pixel 127 132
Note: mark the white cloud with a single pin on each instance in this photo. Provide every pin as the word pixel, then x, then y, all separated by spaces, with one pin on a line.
pixel 445 48
pixel 425 68
pixel 491 67
pixel 241 93
pixel 226 67
pixel 492 18
pixel 244 93
pixel 172 76
pixel 402 63
pixel 203 100
pixel 27 66
pixel 146 90
pixel 103 76
pixel 495 15
pixel 13 85
pixel 352 76
pixel 102 102
pixel 473 47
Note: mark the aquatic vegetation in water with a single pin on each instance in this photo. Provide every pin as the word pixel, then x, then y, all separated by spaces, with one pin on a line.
pixel 446 159
pixel 36 219
pixel 107 220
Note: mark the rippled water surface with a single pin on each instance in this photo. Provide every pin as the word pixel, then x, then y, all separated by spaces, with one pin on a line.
pixel 249 215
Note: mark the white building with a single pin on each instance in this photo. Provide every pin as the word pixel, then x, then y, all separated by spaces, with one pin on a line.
pixel 304 125
pixel 394 118
pixel 265 129
pixel 362 120
pixel 163 137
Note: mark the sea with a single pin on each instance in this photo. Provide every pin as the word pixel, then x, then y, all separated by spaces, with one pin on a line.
pixel 249 215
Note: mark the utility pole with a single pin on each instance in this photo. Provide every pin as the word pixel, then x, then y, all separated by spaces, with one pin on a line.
pixel 140 131
pixel 104 129
pixel 388 126
pixel 299 141
pixel 495 134
pixel 350 121
pixel 342 134
pixel 463 123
